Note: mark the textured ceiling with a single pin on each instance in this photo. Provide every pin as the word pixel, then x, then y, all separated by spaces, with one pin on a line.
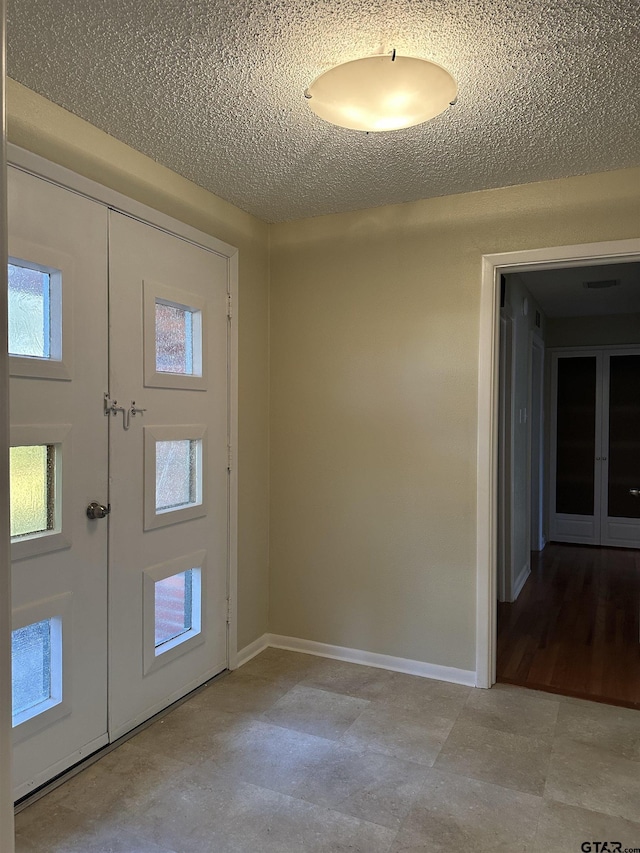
pixel 213 89
pixel 561 292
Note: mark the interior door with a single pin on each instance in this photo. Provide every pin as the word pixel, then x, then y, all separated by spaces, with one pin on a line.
pixel 58 459
pixel 621 449
pixel 168 540
pixel 595 464
pixel 575 458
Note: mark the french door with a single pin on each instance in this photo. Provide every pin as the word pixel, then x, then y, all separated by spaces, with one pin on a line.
pixel 595 464
pixel 119 472
pixel 168 522
pixel 58 465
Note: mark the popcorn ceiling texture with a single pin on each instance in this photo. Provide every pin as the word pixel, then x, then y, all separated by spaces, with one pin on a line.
pixel 213 89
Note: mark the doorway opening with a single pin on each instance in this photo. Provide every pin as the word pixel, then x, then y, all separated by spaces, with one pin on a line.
pixel 569 458
pixel 488 471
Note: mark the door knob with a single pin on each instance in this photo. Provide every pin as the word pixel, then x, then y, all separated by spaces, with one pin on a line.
pixel 96 510
pixel 635 492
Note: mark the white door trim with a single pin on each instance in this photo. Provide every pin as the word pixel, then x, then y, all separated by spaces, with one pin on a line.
pixel 536 442
pixel 52 172
pixel 493 265
pixel 6 782
pixel 505 461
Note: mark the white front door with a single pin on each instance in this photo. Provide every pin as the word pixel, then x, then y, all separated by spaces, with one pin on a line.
pixel 58 363
pixel 168 539
pixel 119 472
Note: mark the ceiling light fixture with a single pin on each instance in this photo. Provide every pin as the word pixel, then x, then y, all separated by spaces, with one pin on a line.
pixel 384 92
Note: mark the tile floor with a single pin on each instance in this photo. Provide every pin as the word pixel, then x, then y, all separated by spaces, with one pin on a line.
pixel 298 754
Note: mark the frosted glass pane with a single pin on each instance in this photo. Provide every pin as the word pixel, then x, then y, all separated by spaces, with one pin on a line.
pixel 31 666
pixel 174 339
pixel 173 606
pixel 176 474
pixel 32 484
pixel 29 312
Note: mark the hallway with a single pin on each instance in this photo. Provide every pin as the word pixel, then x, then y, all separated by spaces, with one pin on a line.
pixel 574 629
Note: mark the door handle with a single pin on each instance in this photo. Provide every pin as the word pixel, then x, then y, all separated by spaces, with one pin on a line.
pixel 96 510
pixel 635 492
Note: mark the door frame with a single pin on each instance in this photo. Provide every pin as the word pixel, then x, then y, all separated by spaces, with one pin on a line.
pixel 494 265
pixel 6 782
pixel 505 461
pixel 536 442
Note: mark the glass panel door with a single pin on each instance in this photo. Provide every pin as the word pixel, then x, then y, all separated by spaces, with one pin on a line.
pixel 595 470
pixel 168 525
pixel 575 471
pixel 58 464
pixel 621 450
pixel 576 436
pixel 624 436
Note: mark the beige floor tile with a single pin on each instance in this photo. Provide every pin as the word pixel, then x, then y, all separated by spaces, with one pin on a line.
pixel 616 730
pixel 241 693
pixel 297 754
pixel 271 756
pixel 595 779
pixel 479 752
pixel 515 710
pixel 123 779
pixel 207 812
pixel 317 712
pixel 352 679
pixel 376 788
pixel 454 813
pixel 185 734
pixel 564 829
pixel 282 666
pixel 425 695
pixel 48 828
pixel 409 735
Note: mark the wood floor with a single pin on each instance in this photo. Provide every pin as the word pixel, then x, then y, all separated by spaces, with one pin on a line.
pixel 574 628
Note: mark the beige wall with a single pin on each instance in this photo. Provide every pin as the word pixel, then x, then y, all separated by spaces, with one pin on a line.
pixel 39 126
pixel 594 331
pixel 374 349
pixel 374 355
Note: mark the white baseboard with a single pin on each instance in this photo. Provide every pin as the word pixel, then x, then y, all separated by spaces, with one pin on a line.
pixel 244 655
pixel 411 667
pixel 521 580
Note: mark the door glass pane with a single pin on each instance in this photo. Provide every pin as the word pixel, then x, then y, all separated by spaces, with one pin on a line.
pixel 624 436
pixel 576 436
pixel 31 667
pixel 32 484
pixel 29 312
pixel 173 607
pixel 175 329
pixel 177 474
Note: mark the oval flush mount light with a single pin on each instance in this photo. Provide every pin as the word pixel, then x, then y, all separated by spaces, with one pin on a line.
pixel 379 93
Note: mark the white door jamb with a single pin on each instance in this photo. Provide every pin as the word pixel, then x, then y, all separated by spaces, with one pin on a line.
pixel 586 254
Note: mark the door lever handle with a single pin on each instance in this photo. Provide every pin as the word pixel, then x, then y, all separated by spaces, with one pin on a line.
pixel 635 492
